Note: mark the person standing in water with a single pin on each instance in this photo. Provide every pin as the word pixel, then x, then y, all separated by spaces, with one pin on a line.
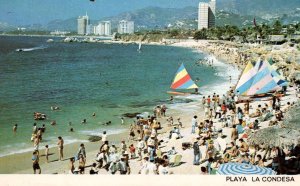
pixel 15 128
pixel 34 128
pixel 122 121
pixel 60 145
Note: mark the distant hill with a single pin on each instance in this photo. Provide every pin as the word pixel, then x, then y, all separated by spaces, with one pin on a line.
pixel 260 8
pixel 156 17
pixel 66 25
pixel 5 27
pixel 159 18
pixel 229 12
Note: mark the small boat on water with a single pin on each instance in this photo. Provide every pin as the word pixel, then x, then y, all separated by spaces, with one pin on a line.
pixel 183 81
pixel 50 40
pixel 140 46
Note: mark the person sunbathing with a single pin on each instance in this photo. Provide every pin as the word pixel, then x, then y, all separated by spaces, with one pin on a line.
pixel 244 159
pixel 210 151
pixel 206 135
pixel 256 114
pixel 244 146
pixel 230 153
pixel 259 161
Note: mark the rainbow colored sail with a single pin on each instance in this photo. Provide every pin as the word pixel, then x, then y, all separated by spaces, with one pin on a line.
pixel 183 80
pixel 259 79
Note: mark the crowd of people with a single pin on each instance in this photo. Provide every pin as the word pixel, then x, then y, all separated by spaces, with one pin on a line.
pixel 243 119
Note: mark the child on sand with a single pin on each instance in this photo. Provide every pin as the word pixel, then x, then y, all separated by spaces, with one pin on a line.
pixel 47 153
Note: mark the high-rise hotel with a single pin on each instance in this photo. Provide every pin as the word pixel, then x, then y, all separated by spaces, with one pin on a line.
pixel 126 27
pixel 103 28
pixel 207 14
pixel 83 22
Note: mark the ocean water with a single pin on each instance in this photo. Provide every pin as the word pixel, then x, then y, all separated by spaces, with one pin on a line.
pixel 82 78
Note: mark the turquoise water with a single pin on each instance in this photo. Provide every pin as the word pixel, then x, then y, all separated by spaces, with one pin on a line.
pixel 82 78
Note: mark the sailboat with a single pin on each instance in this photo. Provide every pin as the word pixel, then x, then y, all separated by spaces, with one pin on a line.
pixel 259 79
pixel 182 81
pixel 140 46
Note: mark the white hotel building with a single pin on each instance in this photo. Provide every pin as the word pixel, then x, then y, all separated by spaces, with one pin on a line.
pixel 206 14
pixel 126 27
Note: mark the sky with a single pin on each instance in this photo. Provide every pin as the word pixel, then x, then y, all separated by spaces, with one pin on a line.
pixel 25 12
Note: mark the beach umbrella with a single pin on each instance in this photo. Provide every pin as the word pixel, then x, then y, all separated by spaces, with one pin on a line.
pixel 274 136
pixel 243 169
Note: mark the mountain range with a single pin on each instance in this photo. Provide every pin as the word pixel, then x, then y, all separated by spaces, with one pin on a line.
pixel 231 12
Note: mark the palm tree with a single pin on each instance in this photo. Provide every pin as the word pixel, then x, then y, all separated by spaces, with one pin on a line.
pixel 277 27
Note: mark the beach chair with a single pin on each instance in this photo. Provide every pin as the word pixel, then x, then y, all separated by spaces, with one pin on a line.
pixel 175 160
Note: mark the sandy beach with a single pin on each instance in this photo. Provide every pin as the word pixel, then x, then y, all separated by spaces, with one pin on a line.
pixel 225 51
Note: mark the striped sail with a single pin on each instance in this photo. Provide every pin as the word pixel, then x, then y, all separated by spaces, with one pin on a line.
pixel 276 75
pixel 259 79
pixel 183 80
pixel 246 79
pixel 263 81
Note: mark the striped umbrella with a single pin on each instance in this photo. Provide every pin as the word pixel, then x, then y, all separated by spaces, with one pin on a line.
pixel 243 169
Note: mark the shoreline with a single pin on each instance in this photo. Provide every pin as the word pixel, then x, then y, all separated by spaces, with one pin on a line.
pixel 92 147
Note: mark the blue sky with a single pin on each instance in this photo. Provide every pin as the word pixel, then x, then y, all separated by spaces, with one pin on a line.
pixel 22 12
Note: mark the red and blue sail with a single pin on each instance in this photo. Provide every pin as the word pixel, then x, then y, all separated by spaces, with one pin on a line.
pixel 183 80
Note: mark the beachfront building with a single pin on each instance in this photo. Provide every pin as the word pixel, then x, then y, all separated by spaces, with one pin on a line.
pixel 207 14
pixel 126 27
pixel 90 29
pixel 103 28
pixel 82 23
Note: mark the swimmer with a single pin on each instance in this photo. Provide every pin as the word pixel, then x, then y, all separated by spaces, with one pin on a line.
pixel 171 98
pixel 54 108
pixel 122 121
pixel 53 122
pixel 71 130
pixel 94 114
pixel 83 121
pixel 15 128
pixel 108 123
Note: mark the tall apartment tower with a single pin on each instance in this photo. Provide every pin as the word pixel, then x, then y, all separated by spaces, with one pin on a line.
pixel 207 14
pixel 82 24
pixel 103 28
pixel 126 27
pixel 107 28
